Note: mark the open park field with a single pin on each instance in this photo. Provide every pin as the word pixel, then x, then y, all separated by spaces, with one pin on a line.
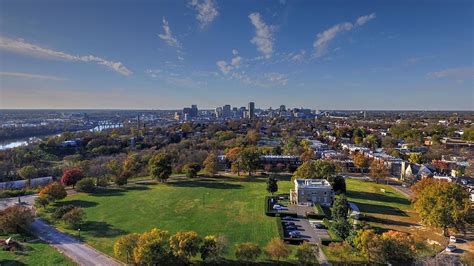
pixel 36 253
pixel 227 205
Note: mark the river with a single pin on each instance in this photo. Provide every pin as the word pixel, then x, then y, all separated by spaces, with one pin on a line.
pixel 10 144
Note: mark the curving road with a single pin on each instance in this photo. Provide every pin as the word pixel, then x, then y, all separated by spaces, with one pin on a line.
pixel 70 246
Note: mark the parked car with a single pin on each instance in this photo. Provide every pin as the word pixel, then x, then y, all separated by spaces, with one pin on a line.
pixel 452 239
pixel 287 218
pixel 288 223
pixel 290 227
pixel 296 233
pixel 451 248
pixel 319 226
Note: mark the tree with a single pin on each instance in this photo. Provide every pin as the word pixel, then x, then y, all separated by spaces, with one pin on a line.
pixel 366 242
pixel 210 164
pixel 71 176
pixel 59 212
pixel 54 190
pixel 43 201
pixel 276 249
pixel 233 155
pixel 315 170
pixel 249 158
pixel 153 248
pixel 15 219
pixel 114 167
pixel 159 167
pixel 307 155
pixel 360 160
pixel 378 170
pixel 395 248
pixel 342 251
pixel 342 227
pixel 445 205
pixel 124 247
pixel 191 170
pixel 28 172
pixel 121 179
pixel 338 184
pixel 247 251
pixel 307 254
pixel 74 217
pixel 212 248
pixel 185 245
pixel 252 136
pixel 415 157
pixel 340 208
pixel 272 185
pixel 132 164
pixel 86 185
pixel 419 186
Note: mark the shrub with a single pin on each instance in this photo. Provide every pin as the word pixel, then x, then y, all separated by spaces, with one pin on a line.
pixel 54 190
pixel 212 248
pixel 71 176
pixel 43 201
pixel 191 169
pixel 247 251
pixel 15 219
pixel 74 217
pixel 86 185
pixel 307 254
pixel 61 211
pixel 185 245
pixel 102 182
pixel 121 179
pixel 276 249
pixel 124 247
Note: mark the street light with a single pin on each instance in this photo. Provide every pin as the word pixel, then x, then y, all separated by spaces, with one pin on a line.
pixel 79 231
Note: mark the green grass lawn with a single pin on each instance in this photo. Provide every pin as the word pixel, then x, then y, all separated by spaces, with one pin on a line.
pixel 230 206
pixel 37 253
pixel 389 210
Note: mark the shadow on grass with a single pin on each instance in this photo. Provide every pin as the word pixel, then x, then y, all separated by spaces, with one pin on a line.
pixel 381 209
pixel 78 203
pixel 373 219
pixel 206 184
pixel 101 229
pixel 137 188
pixel 378 197
pixel 11 262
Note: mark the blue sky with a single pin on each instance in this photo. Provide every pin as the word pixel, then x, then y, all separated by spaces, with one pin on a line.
pixel 414 55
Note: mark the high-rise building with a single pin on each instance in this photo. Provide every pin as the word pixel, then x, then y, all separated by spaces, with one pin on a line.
pixel 226 111
pixel 251 110
pixel 218 112
pixel 194 110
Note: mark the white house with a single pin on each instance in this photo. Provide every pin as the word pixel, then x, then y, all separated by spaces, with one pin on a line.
pixel 312 191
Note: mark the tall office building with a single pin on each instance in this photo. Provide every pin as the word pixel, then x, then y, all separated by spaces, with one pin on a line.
pixel 251 110
pixel 226 111
pixel 194 110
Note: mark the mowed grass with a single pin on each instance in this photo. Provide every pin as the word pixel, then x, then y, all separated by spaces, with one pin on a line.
pixel 384 209
pixel 38 253
pixel 229 206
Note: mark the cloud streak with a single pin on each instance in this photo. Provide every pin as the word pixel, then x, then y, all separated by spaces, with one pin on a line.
pixel 462 72
pixel 168 36
pixel 263 38
pixel 22 47
pixel 324 38
pixel 30 76
pixel 206 11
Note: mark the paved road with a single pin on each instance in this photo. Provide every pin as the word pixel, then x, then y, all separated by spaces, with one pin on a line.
pixel 66 244
pixel 70 246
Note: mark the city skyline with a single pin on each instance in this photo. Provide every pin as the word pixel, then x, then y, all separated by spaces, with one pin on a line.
pixel 369 55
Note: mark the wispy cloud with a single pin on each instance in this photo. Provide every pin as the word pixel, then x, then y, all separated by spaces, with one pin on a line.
pixel 22 47
pixel 324 38
pixel 235 62
pixel 168 37
pixel 277 78
pixel 223 66
pixel 263 38
pixel 30 76
pixel 206 11
pixel 462 72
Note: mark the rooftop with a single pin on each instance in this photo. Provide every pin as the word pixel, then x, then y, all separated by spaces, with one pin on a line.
pixel 312 183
